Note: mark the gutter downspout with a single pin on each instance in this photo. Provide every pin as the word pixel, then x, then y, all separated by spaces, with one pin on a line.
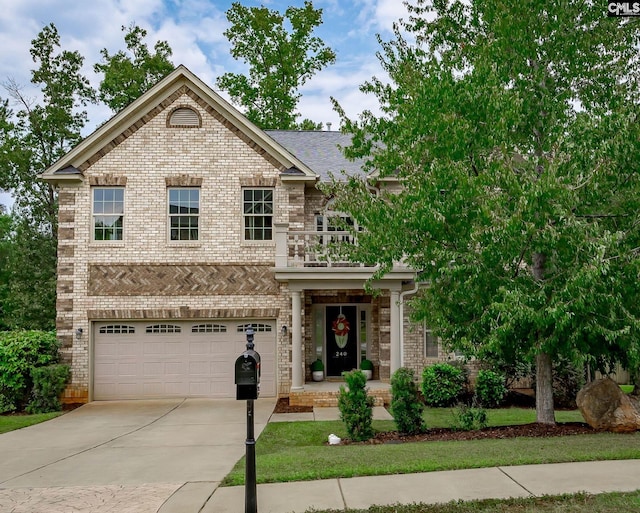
pixel 416 286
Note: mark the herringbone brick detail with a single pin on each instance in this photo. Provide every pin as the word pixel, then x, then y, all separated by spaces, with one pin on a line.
pixel 180 280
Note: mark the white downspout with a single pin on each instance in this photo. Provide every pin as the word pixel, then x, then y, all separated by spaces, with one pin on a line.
pixel 404 293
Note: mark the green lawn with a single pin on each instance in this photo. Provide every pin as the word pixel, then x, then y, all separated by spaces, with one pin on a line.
pixel 298 451
pixel 579 503
pixel 11 422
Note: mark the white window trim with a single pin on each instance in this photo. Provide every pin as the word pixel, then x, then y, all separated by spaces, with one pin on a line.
pixel 117 242
pixel 184 242
pixel 261 242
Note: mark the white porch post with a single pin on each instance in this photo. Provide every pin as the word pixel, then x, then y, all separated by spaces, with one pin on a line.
pixel 396 326
pixel 296 340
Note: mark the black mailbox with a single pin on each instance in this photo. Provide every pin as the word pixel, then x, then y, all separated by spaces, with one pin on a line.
pixel 247 375
pixel 248 371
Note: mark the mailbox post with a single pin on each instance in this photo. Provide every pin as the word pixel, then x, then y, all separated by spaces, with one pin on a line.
pixel 247 371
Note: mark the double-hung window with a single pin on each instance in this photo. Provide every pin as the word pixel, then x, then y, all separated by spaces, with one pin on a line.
pixel 108 213
pixel 257 208
pixel 184 213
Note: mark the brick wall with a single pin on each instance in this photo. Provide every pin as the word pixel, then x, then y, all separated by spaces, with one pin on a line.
pixel 147 159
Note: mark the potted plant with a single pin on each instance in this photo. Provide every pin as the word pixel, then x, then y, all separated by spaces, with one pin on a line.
pixel 317 370
pixel 366 366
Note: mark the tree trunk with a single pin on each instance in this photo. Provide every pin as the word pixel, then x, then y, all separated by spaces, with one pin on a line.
pixel 544 389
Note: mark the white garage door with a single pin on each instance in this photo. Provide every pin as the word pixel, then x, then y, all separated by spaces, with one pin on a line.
pixel 143 360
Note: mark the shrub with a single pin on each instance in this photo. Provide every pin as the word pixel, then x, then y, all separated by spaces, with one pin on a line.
pixel 406 405
pixel 356 407
pixel 366 365
pixel 468 418
pixel 442 384
pixel 48 385
pixel 317 366
pixel 490 388
pixel 20 352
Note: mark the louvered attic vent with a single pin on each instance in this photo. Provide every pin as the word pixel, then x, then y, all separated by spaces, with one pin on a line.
pixel 184 117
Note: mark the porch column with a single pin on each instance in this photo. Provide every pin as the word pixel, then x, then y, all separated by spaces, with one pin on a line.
pixel 396 326
pixel 296 341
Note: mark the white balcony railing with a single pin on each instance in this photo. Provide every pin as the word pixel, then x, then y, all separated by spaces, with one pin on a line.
pixel 309 248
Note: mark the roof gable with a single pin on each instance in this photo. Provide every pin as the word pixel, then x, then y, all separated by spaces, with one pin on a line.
pixel 155 100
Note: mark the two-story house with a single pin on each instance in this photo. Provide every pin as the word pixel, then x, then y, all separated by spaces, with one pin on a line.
pixel 180 223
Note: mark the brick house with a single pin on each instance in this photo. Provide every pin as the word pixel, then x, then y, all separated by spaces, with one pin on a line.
pixel 180 223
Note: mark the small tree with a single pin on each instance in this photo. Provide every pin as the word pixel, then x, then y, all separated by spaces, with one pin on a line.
pixel 406 404
pixel 356 407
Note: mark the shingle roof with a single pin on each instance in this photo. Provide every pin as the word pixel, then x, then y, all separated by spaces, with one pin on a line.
pixel 319 150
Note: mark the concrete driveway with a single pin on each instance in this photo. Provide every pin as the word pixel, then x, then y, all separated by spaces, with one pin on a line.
pixel 126 456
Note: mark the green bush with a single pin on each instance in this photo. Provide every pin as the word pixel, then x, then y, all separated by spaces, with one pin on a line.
pixel 442 384
pixel 490 388
pixel 48 385
pixel 406 404
pixel 468 418
pixel 20 352
pixel 356 407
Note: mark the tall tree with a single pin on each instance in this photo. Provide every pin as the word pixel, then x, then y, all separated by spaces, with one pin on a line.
pixel 513 130
pixel 129 74
pixel 32 139
pixel 282 54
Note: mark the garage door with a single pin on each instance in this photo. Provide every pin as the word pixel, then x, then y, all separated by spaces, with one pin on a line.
pixel 144 360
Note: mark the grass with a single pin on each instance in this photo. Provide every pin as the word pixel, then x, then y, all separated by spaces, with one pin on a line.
pixel 579 503
pixel 298 452
pixel 12 422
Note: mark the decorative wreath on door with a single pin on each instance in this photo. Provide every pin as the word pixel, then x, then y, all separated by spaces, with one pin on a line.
pixel 341 329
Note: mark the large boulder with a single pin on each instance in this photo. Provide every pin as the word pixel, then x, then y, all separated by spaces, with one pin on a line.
pixel 605 407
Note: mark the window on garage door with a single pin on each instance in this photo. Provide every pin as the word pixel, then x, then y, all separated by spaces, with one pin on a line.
pixel 163 328
pixel 116 329
pixel 258 328
pixel 208 328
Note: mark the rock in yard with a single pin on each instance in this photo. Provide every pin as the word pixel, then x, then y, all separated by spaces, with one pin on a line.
pixel 605 407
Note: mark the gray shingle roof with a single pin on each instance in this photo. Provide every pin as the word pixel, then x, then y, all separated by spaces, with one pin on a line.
pixel 319 150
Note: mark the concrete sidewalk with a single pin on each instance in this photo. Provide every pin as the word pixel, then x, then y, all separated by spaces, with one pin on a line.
pixel 434 487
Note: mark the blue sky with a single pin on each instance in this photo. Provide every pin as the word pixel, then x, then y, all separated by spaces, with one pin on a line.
pixel 194 30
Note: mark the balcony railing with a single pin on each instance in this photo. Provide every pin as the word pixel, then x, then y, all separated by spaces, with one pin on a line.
pixel 309 248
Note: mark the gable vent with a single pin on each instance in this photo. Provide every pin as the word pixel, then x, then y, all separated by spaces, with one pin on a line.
pixel 184 117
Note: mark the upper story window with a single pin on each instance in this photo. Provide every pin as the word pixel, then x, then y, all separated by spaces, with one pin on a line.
pixel 184 213
pixel 108 213
pixel 258 214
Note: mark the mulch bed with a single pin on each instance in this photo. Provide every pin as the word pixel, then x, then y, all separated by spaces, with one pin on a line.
pixel 501 432
pixel 282 406
pixel 446 434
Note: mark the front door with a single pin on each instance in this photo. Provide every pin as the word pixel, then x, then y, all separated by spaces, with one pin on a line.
pixel 341 328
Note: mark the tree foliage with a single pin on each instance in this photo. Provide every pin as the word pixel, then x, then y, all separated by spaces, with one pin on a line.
pixel 129 74
pixel 513 130
pixel 282 54
pixel 32 138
